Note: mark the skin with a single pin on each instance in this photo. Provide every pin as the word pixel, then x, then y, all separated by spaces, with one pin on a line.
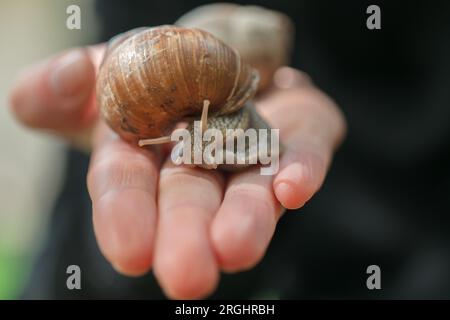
pixel 187 224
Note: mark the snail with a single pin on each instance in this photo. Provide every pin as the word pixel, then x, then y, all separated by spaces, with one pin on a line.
pixel 151 79
pixel 263 37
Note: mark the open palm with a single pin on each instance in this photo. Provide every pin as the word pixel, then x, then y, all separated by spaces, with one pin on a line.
pixel 185 223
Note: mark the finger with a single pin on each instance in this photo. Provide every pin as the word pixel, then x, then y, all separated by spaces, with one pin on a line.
pixel 245 222
pixel 57 93
pixel 122 183
pixel 311 134
pixel 184 260
pixel 286 78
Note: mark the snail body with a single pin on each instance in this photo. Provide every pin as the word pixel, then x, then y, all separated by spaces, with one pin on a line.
pixel 153 78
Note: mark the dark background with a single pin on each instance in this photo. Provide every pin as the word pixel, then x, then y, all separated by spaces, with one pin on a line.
pixel 386 198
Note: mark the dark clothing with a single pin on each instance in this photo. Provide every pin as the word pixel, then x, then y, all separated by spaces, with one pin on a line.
pixel 386 198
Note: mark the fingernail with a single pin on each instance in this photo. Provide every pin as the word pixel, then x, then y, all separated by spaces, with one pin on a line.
pixel 127 273
pixel 118 268
pixel 69 74
pixel 283 190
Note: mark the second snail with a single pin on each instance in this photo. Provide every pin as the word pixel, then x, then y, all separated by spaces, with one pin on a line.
pixel 151 79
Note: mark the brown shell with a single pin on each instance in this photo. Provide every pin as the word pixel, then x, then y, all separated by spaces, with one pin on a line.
pixel 153 78
pixel 263 37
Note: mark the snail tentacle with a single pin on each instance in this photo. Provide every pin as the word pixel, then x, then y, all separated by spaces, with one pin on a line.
pixel 161 140
pixel 204 117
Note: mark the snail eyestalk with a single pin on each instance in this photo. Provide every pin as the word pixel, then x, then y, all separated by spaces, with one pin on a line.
pixel 161 140
pixel 204 117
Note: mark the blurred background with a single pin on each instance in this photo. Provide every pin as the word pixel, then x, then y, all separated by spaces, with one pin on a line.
pixel 31 163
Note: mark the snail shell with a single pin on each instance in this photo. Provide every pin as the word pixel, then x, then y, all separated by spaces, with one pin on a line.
pixel 263 37
pixel 152 78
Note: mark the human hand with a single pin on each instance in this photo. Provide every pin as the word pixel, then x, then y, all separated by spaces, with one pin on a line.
pixel 187 223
